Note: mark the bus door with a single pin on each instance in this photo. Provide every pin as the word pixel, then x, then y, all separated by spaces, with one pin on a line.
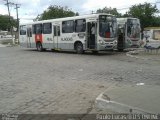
pixel 29 36
pixel 121 38
pixel 56 36
pixel 91 35
pixel 23 36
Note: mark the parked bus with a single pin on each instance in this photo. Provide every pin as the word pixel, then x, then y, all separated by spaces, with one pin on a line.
pixel 151 37
pixel 95 32
pixel 131 31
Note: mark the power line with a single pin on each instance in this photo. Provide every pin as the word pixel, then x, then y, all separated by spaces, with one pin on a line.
pixel 16 7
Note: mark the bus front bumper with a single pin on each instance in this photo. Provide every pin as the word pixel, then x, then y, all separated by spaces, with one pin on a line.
pixel 107 46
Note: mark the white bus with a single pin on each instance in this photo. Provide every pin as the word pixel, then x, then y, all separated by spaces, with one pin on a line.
pixel 131 30
pixel 95 32
pixel 151 37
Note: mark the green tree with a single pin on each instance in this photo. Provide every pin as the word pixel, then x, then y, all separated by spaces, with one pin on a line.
pixel 5 24
pixel 110 10
pixel 146 13
pixel 53 12
pixel 156 22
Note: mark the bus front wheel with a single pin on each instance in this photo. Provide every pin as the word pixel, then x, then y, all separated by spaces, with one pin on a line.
pixel 79 48
pixel 39 47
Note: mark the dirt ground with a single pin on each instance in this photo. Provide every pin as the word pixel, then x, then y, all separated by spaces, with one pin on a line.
pixel 63 82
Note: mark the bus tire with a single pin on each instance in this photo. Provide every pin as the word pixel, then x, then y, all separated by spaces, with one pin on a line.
pixel 120 50
pixel 39 47
pixel 79 48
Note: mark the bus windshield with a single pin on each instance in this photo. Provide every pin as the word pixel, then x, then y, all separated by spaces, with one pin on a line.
pixel 107 26
pixel 133 28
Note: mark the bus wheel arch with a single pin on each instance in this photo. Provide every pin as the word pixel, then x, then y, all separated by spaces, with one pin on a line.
pixel 39 46
pixel 78 46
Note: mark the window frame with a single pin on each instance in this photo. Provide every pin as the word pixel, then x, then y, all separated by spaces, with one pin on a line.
pixel 22 29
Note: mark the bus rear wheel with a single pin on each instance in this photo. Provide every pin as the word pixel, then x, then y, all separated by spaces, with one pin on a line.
pixel 79 48
pixel 39 47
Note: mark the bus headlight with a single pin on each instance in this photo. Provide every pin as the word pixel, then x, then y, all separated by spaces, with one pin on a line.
pixel 101 42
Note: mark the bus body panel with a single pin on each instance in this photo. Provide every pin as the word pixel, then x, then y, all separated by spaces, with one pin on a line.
pixel 48 41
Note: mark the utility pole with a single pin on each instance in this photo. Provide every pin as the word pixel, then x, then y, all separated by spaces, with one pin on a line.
pixel 17 6
pixel 8 11
pixel 17 33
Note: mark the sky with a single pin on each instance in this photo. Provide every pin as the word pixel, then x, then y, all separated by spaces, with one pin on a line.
pixel 29 9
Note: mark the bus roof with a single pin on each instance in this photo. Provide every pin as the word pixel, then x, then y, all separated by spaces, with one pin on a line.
pixel 67 18
pixel 123 20
pixel 154 28
pixel 126 18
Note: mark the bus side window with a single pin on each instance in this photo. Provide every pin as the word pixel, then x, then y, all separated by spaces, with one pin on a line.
pixel 47 28
pixel 80 25
pixel 23 30
pixel 68 26
pixel 38 28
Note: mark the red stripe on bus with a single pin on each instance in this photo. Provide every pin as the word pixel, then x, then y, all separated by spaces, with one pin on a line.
pixel 38 38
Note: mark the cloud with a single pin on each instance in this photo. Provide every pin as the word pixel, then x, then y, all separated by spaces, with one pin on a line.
pixel 29 9
pixel 94 5
pixel 3 10
pixel 41 5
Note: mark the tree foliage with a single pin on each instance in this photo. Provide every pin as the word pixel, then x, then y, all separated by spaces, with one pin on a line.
pixel 146 13
pixel 5 24
pixel 110 10
pixel 54 11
